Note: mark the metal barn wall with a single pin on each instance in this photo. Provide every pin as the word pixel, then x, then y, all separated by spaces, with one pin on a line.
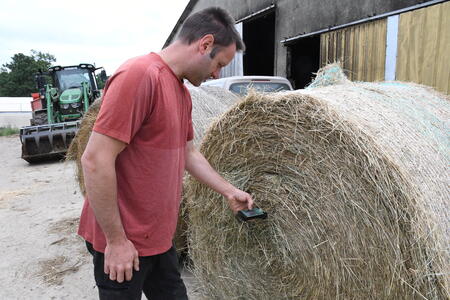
pixel 424 47
pixel 360 49
pixel 293 17
pixel 418 44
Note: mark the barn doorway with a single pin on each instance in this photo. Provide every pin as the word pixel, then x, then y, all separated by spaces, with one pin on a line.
pixel 259 38
pixel 303 61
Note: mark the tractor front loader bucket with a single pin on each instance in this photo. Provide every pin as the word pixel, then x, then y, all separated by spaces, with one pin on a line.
pixel 45 142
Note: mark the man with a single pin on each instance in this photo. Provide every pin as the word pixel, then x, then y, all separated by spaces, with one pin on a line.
pixel 134 161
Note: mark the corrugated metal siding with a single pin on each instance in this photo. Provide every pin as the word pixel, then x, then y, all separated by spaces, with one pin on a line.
pixel 424 47
pixel 361 50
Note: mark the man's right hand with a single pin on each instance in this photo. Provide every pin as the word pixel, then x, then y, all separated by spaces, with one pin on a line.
pixel 99 169
pixel 120 259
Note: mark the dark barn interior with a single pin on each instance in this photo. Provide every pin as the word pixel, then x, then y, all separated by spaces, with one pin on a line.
pixel 259 38
pixel 303 61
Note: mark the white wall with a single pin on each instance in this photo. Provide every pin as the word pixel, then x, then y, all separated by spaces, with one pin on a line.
pixel 15 111
pixel 15 104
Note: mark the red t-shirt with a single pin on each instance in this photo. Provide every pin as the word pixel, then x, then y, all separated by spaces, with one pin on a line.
pixel 146 106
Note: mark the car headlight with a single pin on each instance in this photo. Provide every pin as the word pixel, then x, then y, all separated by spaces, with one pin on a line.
pixel 65 106
pixel 75 104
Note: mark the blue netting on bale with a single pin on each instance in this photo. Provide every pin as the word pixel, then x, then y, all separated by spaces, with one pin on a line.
pixel 329 75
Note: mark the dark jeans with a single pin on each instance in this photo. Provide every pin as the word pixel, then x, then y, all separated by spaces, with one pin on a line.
pixel 158 278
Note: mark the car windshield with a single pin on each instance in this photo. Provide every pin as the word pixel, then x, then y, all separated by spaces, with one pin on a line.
pixel 72 78
pixel 241 88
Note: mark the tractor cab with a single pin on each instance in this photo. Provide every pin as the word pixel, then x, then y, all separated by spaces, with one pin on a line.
pixel 69 77
pixel 72 77
pixel 71 91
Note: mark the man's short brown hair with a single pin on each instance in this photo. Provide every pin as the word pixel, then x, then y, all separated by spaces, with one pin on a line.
pixel 216 21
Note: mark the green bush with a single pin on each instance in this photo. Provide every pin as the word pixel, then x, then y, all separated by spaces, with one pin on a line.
pixel 8 130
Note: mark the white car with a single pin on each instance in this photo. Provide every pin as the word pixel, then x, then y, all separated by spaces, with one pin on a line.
pixel 241 84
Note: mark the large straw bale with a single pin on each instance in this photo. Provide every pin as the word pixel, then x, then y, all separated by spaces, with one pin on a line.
pixel 355 179
pixel 79 143
pixel 208 103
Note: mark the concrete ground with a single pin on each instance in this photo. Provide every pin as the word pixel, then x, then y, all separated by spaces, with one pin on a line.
pixel 41 255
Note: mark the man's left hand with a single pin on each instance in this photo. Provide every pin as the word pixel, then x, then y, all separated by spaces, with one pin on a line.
pixel 239 200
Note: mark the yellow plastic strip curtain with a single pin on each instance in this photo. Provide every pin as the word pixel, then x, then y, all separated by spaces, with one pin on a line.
pixel 424 47
pixel 361 49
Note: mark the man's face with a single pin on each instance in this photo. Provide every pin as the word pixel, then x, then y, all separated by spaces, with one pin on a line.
pixel 208 67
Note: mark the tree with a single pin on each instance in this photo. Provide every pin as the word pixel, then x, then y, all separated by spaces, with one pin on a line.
pixel 17 76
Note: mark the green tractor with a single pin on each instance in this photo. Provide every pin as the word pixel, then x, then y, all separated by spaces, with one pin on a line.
pixel 57 110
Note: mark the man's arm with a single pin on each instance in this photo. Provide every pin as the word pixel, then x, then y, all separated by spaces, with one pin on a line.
pixel 199 167
pixel 98 162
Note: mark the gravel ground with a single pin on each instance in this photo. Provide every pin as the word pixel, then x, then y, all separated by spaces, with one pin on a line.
pixel 42 257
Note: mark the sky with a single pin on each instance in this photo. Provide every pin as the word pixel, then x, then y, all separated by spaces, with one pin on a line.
pixel 86 31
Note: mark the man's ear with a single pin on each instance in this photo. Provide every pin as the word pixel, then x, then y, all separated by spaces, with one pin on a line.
pixel 206 44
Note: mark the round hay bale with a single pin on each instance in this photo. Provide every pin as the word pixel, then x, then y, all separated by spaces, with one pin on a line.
pixel 79 143
pixel 207 104
pixel 355 180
